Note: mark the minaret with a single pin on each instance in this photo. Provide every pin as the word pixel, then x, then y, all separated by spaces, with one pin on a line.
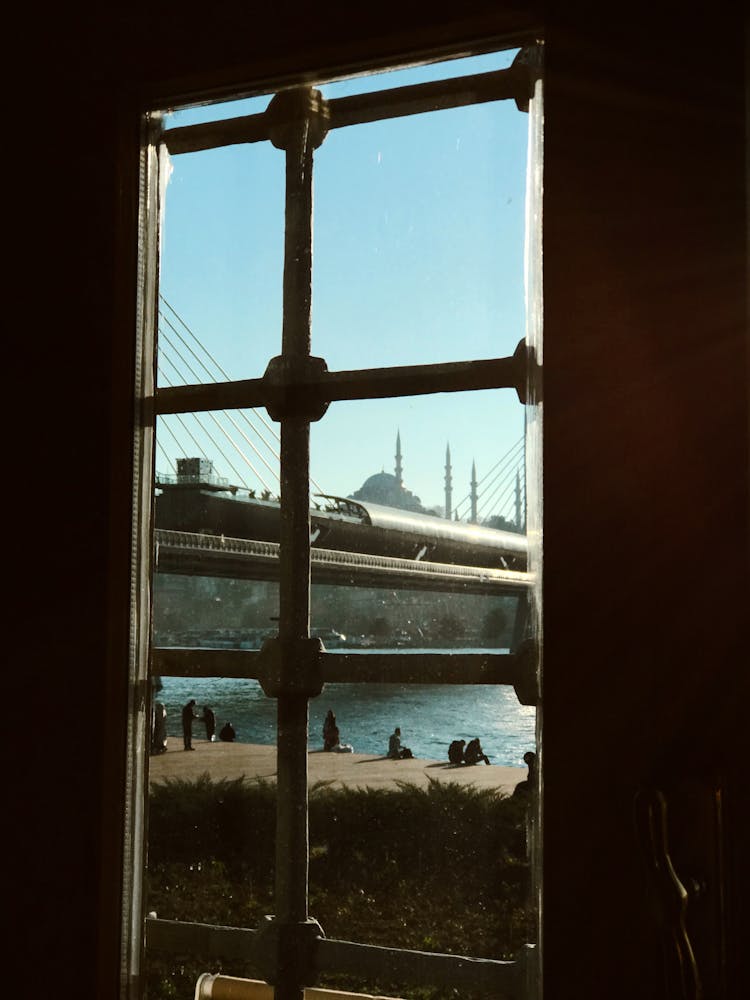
pixel 473 518
pixel 448 483
pixel 399 466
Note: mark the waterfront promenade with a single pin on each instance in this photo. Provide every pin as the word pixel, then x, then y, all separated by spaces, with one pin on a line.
pixel 255 762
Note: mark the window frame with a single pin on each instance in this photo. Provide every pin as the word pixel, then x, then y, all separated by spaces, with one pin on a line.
pixel 315 388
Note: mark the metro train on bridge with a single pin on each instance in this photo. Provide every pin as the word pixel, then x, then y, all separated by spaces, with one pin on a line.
pixel 338 523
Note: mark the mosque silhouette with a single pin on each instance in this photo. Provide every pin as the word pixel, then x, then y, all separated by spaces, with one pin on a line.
pixel 388 489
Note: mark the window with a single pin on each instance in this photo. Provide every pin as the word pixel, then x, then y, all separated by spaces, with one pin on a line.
pixel 247 544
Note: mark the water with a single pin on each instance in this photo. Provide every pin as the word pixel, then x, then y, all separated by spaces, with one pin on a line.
pixel 429 715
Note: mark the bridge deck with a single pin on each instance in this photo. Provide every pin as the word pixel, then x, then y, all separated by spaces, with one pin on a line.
pixel 241 558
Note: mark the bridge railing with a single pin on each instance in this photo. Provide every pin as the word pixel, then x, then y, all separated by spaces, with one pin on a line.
pixel 240 558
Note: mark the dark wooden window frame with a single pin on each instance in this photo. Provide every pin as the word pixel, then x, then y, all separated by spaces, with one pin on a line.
pixel 296 389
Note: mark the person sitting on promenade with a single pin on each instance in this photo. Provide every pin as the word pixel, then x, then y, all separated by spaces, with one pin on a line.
pixel 395 750
pixel 330 731
pixel 210 720
pixel 332 738
pixel 526 787
pixel 456 751
pixel 474 753
pixel 227 733
pixel 188 715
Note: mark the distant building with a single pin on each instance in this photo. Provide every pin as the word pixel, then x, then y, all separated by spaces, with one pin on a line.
pixel 389 490
pixel 383 488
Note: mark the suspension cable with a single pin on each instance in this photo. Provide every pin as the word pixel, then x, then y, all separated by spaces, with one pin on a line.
pixel 241 480
pixel 227 377
pixel 225 413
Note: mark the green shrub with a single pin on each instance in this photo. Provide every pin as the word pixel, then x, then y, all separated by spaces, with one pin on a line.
pixel 229 820
pixel 441 868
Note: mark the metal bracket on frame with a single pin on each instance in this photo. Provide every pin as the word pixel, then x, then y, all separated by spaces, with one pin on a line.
pixel 291 667
pixel 286 950
pixel 526 670
pixel 284 387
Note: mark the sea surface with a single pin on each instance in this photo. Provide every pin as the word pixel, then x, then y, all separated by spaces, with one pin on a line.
pixel 429 715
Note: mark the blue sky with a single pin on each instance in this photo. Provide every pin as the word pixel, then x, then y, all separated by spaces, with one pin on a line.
pixel 418 257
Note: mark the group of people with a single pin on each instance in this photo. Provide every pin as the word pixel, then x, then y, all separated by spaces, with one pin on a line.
pixel 332 740
pixel 227 732
pixel 461 752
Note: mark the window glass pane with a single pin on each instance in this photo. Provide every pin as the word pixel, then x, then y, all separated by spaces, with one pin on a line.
pixel 391 452
pixel 418 246
pixel 390 619
pixel 181 117
pixel 224 454
pixel 419 226
pixel 430 717
pixel 444 70
pixel 221 266
pixel 354 453
pixel 212 612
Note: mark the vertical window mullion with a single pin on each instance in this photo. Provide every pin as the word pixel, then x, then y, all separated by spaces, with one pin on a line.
pixel 139 688
pixel 294 588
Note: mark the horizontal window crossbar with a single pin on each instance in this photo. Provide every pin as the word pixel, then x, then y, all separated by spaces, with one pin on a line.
pixel 181 937
pixel 498 85
pixel 369 383
pixel 501 979
pixel 492 977
pixel 336 667
pixel 505 84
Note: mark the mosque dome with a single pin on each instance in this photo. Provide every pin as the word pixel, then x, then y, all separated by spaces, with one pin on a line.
pixel 384 488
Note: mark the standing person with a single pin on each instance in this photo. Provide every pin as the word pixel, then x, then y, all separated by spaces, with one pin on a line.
pixel 330 731
pixel 210 720
pixel 188 715
pixel 395 750
pixel 474 753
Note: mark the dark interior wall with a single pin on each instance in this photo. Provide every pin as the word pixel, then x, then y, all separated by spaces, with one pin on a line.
pixel 645 437
pixel 645 458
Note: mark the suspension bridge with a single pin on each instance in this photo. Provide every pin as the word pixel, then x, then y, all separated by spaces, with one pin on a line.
pixel 245 444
